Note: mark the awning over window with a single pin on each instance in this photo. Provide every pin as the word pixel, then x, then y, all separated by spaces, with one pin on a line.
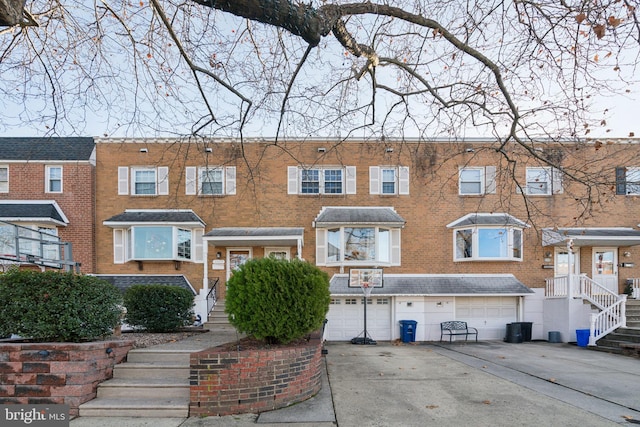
pixel 613 236
pixel 434 285
pixel 155 217
pixel 124 282
pixel 362 215
pixel 39 211
pixel 256 236
pixel 488 219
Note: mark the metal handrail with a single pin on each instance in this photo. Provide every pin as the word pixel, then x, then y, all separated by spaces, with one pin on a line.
pixel 212 296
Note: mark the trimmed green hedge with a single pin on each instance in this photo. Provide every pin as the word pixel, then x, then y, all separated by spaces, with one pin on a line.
pixel 54 306
pixel 158 308
pixel 277 301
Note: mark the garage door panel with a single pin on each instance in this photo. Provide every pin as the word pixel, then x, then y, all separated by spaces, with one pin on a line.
pixel 346 319
pixel 488 314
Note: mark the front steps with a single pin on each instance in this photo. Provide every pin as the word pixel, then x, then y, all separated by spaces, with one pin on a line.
pixel 615 341
pixel 152 383
pixel 218 319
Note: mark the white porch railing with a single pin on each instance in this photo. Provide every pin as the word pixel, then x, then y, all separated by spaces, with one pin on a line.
pixel 612 306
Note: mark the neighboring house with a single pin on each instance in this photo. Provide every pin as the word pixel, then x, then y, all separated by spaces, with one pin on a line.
pixel 47 200
pixel 459 232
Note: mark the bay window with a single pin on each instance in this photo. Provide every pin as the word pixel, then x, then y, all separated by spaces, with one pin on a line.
pixel 488 243
pixel 359 245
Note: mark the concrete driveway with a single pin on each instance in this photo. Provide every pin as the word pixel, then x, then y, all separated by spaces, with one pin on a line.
pixel 474 384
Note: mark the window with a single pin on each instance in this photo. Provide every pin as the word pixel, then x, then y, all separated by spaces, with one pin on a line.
pixel 388 180
pixel 321 181
pixel 4 179
pixel 278 253
pixel 359 245
pixel 628 181
pixel 145 181
pixel 210 181
pixel 476 181
pixel 160 243
pixel 543 181
pixel 325 180
pixel 53 177
pixel 488 243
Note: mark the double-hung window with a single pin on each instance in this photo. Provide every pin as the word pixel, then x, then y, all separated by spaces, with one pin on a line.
pixel 53 179
pixel 476 180
pixel 4 179
pixel 143 180
pixel 388 180
pixel 543 181
pixel 628 181
pixel 321 180
pixel 210 180
pixel 487 237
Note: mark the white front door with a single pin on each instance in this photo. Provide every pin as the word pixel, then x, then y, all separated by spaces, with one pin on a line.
pixel 605 267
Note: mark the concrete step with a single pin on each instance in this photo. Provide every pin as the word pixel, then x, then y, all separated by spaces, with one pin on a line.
pixel 127 407
pixel 157 355
pixel 151 370
pixel 159 388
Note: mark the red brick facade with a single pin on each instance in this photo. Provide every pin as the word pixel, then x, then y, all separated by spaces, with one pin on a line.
pixel 262 200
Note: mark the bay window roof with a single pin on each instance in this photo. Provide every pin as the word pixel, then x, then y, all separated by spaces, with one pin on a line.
pixel 41 211
pixel 488 219
pixel 381 216
pixel 183 217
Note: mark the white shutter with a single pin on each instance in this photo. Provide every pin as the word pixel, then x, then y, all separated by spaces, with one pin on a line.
pixel 230 176
pixel 395 246
pixel 118 246
pixel 403 180
pixel 321 246
pixel 374 180
pixel 490 180
pixel 197 244
pixel 163 180
pixel 123 180
pixel 292 175
pixel 350 171
pixel 556 181
pixel 191 180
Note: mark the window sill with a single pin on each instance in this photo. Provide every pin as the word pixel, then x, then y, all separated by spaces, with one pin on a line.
pixel 488 260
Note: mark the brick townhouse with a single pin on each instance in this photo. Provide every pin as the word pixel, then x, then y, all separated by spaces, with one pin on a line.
pixel 460 230
pixel 46 198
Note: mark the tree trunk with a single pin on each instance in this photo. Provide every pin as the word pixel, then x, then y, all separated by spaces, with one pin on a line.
pixel 11 12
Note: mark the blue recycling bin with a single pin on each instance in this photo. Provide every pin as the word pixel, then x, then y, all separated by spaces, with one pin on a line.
pixel 582 337
pixel 408 330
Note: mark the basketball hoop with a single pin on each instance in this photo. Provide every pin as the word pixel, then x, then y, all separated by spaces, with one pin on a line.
pixel 366 279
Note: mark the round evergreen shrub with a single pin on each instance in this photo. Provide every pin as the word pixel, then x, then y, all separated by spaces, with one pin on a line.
pixel 158 308
pixel 55 306
pixel 276 300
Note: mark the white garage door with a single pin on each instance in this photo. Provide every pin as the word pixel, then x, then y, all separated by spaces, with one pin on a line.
pixel 489 315
pixel 346 319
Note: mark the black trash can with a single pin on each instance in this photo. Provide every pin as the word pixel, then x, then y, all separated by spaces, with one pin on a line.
pixel 514 333
pixel 408 330
pixel 525 329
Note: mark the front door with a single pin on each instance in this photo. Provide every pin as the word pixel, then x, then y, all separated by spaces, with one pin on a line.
pixel 237 257
pixel 605 267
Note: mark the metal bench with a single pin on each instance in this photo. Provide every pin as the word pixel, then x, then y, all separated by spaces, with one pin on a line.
pixel 457 327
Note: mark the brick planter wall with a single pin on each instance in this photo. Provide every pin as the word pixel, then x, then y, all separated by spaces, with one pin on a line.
pixel 57 373
pixel 254 381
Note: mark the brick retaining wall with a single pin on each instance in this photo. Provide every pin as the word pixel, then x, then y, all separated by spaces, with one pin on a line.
pixel 253 381
pixel 57 373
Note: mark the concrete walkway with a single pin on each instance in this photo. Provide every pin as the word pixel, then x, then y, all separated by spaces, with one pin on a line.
pixel 474 384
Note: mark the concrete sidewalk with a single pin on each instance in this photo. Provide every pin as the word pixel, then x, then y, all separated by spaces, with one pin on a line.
pixel 474 384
